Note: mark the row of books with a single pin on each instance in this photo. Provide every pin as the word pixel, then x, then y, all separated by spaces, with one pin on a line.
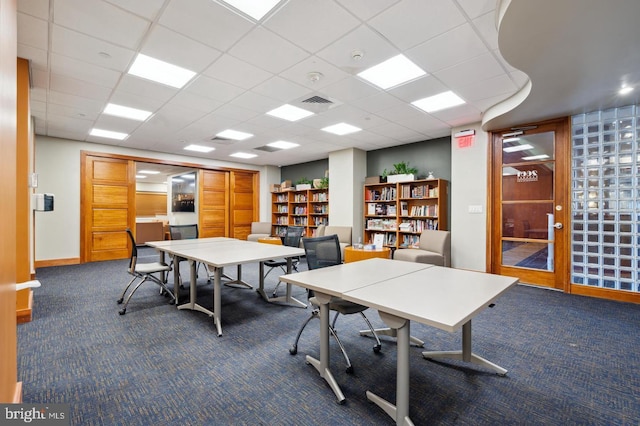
pixel 299 210
pixel 300 221
pixel 300 198
pixel 418 191
pixel 379 209
pixel 410 241
pixel 423 210
pixel 282 220
pixel 383 239
pixel 381 194
pixel 382 224
pixel 283 208
pixel 282 198
pixel 320 220
pixel 418 225
pixel 320 197
pixel 320 209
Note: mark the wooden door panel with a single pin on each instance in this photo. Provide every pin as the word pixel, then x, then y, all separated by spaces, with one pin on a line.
pixel 213 203
pixel 108 207
pixel 110 194
pixel 244 203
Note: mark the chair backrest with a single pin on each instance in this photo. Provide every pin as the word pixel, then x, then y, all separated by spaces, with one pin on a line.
pixel 183 232
pixel 292 236
pixel 134 252
pixel 437 241
pixel 343 232
pixel 322 251
pixel 261 228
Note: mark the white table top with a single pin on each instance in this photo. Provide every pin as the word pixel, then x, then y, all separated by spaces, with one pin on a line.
pixel 444 298
pixel 335 281
pixel 230 251
pixel 186 242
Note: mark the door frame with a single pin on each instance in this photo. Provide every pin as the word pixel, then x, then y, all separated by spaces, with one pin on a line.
pixel 560 279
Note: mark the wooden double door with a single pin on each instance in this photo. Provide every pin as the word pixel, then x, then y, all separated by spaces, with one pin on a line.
pixel 227 204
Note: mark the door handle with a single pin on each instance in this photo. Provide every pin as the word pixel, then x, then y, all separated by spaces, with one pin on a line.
pixel 557 225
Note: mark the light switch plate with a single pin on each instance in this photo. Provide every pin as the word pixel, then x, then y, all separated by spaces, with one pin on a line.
pixel 476 208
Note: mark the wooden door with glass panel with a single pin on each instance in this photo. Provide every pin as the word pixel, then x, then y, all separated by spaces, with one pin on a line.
pixel 530 204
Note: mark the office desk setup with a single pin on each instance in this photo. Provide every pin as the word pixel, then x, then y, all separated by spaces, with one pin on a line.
pixel 402 292
pixel 218 253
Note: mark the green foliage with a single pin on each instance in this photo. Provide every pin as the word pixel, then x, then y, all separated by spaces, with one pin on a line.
pixel 302 181
pixel 400 168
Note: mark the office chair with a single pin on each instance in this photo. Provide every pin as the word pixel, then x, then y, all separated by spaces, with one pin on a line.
pixel 291 238
pixel 144 272
pixel 186 232
pixel 322 252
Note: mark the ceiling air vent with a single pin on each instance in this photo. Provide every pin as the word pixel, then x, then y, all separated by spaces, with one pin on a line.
pixel 317 100
pixel 267 148
pixel 222 141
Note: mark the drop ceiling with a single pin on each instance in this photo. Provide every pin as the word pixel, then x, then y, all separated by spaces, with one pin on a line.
pixel 80 52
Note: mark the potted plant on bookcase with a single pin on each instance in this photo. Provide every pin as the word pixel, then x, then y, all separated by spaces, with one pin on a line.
pixel 303 183
pixel 401 173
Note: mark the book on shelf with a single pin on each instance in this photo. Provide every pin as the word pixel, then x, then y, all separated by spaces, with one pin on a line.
pixel 378 240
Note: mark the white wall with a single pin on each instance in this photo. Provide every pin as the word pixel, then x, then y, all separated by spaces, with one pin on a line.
pixel 57 162
pixel 469 183
pixel 347 170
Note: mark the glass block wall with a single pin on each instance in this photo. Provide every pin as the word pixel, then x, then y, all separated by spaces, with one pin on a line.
pixel 605 237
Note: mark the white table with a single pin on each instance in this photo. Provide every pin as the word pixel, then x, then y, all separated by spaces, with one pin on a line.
pixel 217 253
pixel 445 298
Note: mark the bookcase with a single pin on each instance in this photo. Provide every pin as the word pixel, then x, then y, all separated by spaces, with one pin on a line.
pixel 396 213
pixel 308 208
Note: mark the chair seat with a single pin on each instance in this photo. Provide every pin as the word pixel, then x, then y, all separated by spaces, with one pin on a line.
pixel 420 256
pixel 147 268
pixel 340 305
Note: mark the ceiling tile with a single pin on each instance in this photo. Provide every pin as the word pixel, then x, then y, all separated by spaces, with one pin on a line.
pixel 412 22
pixel 267 51
pixel 72 86
pixel 33 32
pixel 145 88
pixel 237 72
pixel 90 50
pixel 37 8
pixel 366 9
pixel 214 89
pixel 83 71
pixel 205 21
pixel 300 73
pixel 100 19
pixel 170 46
pixel 148 9
pixel 475 8
pixel 279 88
pixel 311 25
pixel 462 44
pixel 471 71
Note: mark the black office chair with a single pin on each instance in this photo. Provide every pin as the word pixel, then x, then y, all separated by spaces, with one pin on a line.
pixel 144 272
pixel 322 252
pixel 186 232
pixel 291 238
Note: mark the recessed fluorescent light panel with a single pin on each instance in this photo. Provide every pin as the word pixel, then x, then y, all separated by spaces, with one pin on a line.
pixel 242 155
pixel 160 71
pixel 126 112
pixel 234 134
pixel 289 113
pixel 256 9
pixel 535 157
pixel 108 134
pixel 438 102
pixel 342 129
pixel 149 172
pixel 517 148
pixel 199 148
pixel 141 177
pixel 625 89
pixel 392 72
pixel 283 145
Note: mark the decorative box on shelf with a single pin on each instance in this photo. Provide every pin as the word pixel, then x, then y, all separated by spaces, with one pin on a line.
pixel 400 178
pixel 303 186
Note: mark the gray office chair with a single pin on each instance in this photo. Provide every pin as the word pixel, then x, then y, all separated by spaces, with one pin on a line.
pixel 322 252
pixel 144 272
pixel 291 238
pixel 186 232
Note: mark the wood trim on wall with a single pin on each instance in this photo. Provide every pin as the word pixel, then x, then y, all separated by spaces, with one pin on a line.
pixel 10 389
pixel 24 149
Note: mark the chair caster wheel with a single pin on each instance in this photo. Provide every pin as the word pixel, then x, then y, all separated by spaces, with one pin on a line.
pixel 122 311
pixel 293 350
pixel 341 402
pixel 120 300
pixel 377 348
pixel 350 369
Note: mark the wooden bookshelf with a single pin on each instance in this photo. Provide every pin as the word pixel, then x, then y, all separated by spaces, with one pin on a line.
pixel 397 213
pixel 308 208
